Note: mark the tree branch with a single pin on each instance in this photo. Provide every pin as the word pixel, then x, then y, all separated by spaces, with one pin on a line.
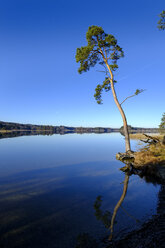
pixel 101 50
pixel 96 51
pixel 127 98
pixel 105 52
pixel 150 139
pixel 137 92
pixel 106 71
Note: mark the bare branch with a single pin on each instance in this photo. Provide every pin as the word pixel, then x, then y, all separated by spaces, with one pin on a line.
pixel 137 92
pixel 127 98
pixel 106 71
pixel 150 139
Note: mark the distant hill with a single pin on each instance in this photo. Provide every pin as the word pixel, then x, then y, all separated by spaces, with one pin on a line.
pixel 17 127
pixel 11 126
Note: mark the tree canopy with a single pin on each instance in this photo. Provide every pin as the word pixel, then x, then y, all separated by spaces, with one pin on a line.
pixel 162 124
pixel 101 48
pixel 161 22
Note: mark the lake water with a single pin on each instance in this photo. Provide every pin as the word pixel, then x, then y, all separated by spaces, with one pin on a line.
pixel 49 185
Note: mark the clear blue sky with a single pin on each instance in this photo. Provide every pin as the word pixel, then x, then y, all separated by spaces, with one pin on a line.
pixel 38 73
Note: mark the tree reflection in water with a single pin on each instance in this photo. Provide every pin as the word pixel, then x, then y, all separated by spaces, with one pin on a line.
pixel 126 181
pixel 150 233
pixel 106 217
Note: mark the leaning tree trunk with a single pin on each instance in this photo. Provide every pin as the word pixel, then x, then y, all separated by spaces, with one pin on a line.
pixel 125 125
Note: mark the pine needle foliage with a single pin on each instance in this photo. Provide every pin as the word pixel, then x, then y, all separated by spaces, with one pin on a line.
pixel 138 91
pixel 100 47
pixel 162 124
pixel 161 22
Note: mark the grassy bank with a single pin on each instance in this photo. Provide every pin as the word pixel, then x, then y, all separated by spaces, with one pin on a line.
pixel 151 154
pixel 139 136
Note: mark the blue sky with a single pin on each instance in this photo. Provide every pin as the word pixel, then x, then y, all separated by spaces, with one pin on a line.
pixel 38 73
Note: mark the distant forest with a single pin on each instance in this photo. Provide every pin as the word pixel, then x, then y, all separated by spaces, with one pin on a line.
pixel 10 126
pixel 27 127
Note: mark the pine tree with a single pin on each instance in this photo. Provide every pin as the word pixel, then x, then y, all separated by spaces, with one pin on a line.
pixel 161 22
pixel 162 124
pixel 104 50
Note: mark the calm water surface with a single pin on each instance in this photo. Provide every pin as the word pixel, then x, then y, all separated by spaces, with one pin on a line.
pixel 49 184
